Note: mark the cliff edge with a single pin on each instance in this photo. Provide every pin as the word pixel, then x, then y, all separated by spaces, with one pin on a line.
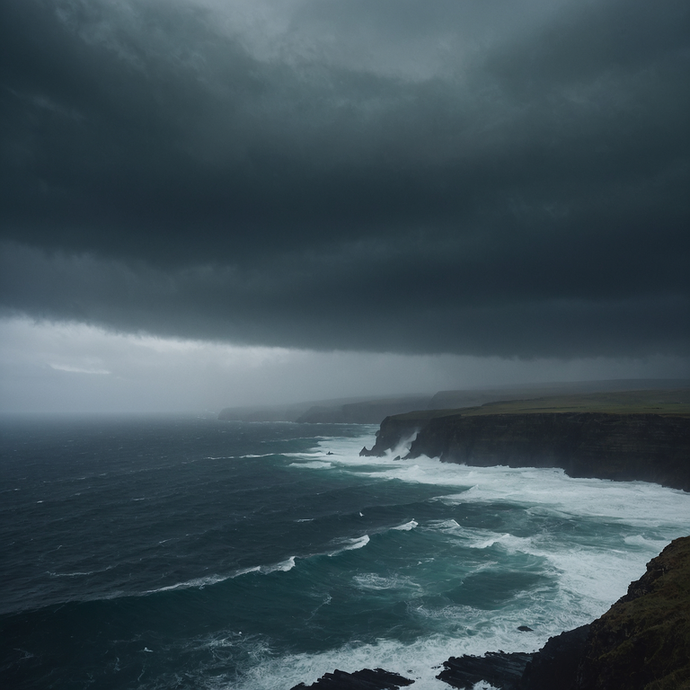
pixel 643 641
pixel 623 447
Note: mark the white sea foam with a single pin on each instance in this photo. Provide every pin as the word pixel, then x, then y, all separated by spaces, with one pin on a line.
pixel 407 526
pixel 451 525
pixel 532 486
pixel 75 574
pixel 420 660
pixel 201 582
pixel 198 583
pixel 79 573
pixel 587 574
pixel 246 571
pixel 283 566
pixel 350 544
pixel 314 465
pixel 639 540
pixel 374 582
pixel 507 541
pixel 403 447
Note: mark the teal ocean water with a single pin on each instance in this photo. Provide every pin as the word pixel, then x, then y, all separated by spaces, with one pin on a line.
pixel 189 553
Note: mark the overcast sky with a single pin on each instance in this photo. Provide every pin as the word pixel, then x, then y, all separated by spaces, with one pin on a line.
pixel 225 202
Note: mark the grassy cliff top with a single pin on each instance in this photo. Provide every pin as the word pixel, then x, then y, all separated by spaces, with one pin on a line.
pixel 669 403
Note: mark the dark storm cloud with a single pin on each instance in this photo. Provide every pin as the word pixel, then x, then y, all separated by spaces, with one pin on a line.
pixel 457 177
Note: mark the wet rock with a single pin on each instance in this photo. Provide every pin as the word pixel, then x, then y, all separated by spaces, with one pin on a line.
pixel 555 665
pixel 501 670
pixel 366 679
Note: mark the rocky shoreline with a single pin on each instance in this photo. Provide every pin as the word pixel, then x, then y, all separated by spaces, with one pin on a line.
pixel 641 643
pixel 624 447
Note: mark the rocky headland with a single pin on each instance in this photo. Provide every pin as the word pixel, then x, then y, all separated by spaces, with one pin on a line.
pixel 643 437
pixel 641 643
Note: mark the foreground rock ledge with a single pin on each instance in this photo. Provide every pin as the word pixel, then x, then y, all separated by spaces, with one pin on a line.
pixel 623 447
pixel 641 643
pixel 367 679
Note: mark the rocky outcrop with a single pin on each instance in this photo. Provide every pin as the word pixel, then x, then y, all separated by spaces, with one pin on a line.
pixel 624 447
pixel 501 670
pixel 393 432
pixel 366 679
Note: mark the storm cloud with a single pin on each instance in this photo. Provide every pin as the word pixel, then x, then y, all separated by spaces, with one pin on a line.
pixel 478 178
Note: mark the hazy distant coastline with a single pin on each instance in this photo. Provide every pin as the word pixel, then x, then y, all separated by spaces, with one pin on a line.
pixel 372 410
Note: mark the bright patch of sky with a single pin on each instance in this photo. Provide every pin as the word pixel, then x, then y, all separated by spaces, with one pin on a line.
pixel 72 368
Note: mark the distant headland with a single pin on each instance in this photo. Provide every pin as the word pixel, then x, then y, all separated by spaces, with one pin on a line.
pixel 629 435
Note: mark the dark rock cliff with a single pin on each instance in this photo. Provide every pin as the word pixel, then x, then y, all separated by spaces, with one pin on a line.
pixel 643 641
pixel 623 447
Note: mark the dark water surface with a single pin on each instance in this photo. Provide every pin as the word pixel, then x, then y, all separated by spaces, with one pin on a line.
pixel 190 553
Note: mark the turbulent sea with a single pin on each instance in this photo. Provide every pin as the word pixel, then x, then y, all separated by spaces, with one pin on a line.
pixel 200 554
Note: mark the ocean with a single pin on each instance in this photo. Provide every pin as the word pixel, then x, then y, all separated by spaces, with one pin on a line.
pixel 154 554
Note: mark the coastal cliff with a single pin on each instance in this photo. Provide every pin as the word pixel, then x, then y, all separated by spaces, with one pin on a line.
pixel 643 641
pixel 624 447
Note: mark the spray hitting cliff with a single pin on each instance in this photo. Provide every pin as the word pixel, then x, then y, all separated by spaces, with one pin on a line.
pixel 620 445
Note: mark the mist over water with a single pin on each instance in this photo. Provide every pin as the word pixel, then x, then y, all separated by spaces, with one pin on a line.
pixel 203 554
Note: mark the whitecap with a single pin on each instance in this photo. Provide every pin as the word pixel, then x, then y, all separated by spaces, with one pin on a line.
pixel 201 582
pixel 79 573
pixel 407 526
pixel 450 525
pixel 374 582
pixel 351 544
pixel 198 583
pixel 639 540
pixel 314 465
pixel 246 571
pixel 507 541
pixel 75 574
pixel 283 566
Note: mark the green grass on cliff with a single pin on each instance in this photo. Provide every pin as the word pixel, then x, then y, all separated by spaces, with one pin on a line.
pixel 643 641
pixel 669 403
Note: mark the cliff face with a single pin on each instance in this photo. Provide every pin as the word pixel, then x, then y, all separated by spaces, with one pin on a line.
pixel 643 641
pixel 623 447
